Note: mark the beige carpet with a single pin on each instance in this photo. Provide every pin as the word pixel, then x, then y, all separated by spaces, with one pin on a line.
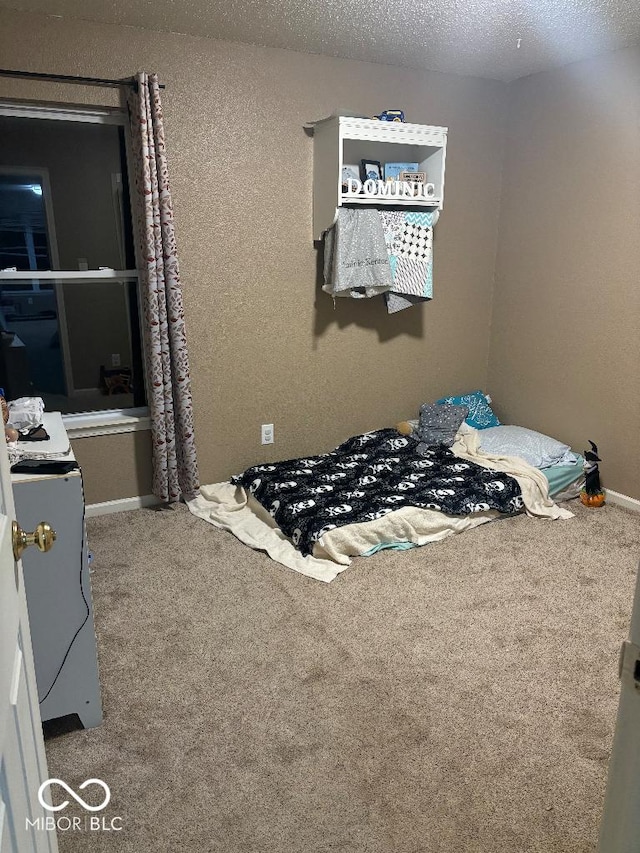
pixel 455 698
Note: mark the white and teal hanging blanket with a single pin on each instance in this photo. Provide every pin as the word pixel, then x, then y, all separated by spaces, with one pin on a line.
pixel 409 241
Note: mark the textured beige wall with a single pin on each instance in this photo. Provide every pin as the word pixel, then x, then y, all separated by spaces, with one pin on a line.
pixel 266 345
pixel 565 346
pixel 115 466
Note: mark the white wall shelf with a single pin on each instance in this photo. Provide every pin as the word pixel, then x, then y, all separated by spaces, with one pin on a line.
pixel 341 140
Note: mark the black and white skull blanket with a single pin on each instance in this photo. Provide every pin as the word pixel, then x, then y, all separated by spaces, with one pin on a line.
pixel 367 477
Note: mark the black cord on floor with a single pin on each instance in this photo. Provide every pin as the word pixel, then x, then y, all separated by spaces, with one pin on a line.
pixel 86 603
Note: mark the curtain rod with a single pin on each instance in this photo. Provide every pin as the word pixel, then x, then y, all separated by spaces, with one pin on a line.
pixel 69 78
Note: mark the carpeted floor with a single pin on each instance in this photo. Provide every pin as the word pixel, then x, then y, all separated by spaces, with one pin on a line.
pixel 451 699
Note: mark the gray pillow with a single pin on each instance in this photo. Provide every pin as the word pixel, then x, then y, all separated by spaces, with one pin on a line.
pixel 438 424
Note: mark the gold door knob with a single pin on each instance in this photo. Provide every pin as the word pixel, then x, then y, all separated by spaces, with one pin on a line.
pixel 42 537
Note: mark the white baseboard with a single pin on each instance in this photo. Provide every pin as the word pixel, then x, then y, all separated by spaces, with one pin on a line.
pixel 622 500
pixel 121 505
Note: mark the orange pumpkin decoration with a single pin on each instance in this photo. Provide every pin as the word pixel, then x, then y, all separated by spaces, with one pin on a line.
pixel 596 499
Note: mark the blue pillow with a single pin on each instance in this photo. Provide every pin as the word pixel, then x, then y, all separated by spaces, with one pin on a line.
pixel 480 412
pixel 536 448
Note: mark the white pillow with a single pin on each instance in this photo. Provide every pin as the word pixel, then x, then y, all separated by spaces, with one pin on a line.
pixel 537 449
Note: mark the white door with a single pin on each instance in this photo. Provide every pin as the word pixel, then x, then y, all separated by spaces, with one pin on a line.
pixel 23 765
pixel 620 827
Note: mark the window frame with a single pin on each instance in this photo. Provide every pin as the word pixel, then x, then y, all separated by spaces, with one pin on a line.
pixel 105 421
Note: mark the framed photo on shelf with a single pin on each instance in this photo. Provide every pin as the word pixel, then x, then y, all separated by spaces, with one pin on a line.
pixel 349 172
pixel 392 170
pixel 418 177
pixel 370 170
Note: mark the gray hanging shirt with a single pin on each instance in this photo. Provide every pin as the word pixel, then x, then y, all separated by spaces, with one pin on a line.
pixel 356 261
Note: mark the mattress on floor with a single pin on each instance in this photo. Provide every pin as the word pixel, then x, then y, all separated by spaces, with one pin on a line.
pixel 565 482
pixel 567 479
pixel 233 508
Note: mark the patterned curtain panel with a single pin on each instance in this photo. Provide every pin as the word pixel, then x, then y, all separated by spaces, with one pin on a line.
pixel 175 467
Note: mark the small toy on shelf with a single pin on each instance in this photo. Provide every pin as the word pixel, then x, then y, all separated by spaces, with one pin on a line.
pixel 391 115
pixel 592 494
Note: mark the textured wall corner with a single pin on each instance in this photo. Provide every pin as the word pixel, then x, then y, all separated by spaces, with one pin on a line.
pixel 565 346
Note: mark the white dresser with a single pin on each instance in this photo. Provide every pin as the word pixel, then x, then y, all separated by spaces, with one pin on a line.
pixel 58 588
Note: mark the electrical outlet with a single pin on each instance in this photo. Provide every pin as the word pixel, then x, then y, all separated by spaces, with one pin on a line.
pixel 115 359
pixel 267 433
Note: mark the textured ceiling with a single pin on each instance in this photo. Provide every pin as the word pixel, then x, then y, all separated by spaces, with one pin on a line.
pixel 477 37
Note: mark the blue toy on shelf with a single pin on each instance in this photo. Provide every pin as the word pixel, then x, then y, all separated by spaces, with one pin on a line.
pixel 391 115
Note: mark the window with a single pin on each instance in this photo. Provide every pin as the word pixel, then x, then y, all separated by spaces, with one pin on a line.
pixel 69 319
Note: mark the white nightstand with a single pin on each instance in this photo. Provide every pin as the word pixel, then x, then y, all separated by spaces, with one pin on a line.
pixel 58 588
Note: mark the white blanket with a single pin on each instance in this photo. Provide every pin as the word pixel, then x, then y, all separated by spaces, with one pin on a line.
pixel 231 508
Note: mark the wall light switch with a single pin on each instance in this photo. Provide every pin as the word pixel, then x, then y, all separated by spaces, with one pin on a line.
pixel 267 433
pixel 115 359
